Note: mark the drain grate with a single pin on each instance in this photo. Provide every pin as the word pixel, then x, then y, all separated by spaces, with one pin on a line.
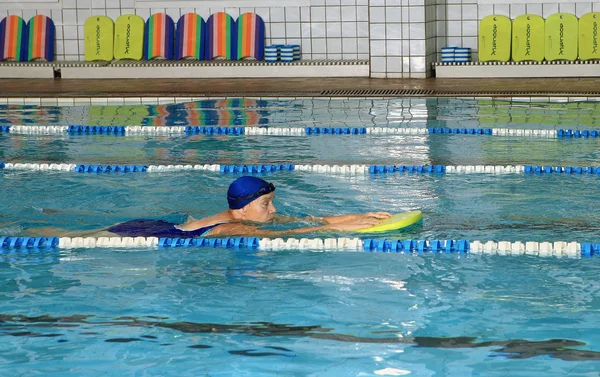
pixel 377 92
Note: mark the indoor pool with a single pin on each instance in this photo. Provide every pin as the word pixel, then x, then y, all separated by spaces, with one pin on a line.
pixel 289 311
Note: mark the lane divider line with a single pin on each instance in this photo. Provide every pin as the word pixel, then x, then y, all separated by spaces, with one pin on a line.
pixel 32 245
pixel 293 131
pixel 326 169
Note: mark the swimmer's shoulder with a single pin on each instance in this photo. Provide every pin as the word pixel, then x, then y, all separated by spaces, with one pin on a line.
pixel 193 224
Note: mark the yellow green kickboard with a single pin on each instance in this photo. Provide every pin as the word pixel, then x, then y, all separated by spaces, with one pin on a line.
pixel 495 34
pixel 398 221
pixel 562 32
pixel 528 38
pixel 129 37
pixel 588 36
pixel 98 38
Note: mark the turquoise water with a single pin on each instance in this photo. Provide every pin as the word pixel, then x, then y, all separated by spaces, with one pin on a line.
pixel 218 312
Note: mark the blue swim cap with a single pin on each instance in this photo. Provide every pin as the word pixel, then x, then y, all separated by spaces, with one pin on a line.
pixel 245 189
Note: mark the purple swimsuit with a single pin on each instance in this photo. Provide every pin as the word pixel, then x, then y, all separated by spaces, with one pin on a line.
pixel 156 228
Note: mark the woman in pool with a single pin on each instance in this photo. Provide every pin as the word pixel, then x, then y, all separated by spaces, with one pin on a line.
pixel 250 202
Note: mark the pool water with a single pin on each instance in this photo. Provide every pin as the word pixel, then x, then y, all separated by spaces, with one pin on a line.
pixel 224 312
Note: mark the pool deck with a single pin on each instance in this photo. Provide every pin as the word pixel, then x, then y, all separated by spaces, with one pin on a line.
pixel 299 87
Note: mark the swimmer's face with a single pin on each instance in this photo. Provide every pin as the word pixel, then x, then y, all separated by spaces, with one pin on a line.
pixel 261 210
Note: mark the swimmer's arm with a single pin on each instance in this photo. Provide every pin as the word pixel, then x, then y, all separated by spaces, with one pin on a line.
pixel 329 220
pixel 354 217
pixel 238 229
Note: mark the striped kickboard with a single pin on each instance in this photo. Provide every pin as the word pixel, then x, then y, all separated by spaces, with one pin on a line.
pixel 158 37
pixel 221 37
pixel 250 37
pixel 40 34
pixel 189 39
pixel 13 34
pixel 129 37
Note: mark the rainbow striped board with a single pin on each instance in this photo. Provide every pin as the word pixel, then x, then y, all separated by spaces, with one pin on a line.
pixel 129 37
pixel 221 39
pixel 98 38
pixel 13 32
pixel 158 37
pixel 588 36
pixel 562 37
pixel 189 39
pixel 250 37
pixel 40 35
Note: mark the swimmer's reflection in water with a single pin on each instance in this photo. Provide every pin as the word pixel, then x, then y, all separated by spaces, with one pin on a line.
pixel 250 204
pixel 20 325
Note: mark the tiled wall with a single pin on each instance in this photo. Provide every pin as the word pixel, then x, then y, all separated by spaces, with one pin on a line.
pixel 400 37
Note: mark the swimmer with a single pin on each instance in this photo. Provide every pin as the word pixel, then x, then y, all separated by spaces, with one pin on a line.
pixel 250 204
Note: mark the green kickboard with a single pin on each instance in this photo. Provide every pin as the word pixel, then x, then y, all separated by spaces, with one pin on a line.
pixel 98 32
pixel 589 39
pixel 528 38
pixel 562 32
pixel 129 37
pixel 495 39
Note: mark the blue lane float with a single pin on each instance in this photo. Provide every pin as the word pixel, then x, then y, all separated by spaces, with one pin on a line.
pixel 196 130
pixel 595 170
pixel 255 169
pixel 110 169
pixel 568 133
pixel 27 243
pixel 460 131
pixel 102 130
pixel 422 169
pixel 4 129
pixel 227 243
pixel 335 130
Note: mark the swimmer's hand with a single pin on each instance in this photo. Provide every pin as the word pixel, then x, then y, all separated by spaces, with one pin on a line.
pixel 356 223
pixel 378 216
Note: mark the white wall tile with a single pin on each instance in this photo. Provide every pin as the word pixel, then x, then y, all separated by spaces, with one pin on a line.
pixel 348 13
pixel 277 15
pixel 318 29
pixel 317 14
pixel 377 14
pixel 378 64
pixel 417 14
pixel 582 8
pixel 349 30
pixel 292 30
pixel 292 14
pixel 393 31
pixel 333 14
pixel 349 46
pixel 277 30
pixel 378 48
pixel 377 31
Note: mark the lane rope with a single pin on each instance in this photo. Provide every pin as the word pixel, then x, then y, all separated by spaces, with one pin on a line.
pixel 293 131
pixel 355 169
pixel 34 245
